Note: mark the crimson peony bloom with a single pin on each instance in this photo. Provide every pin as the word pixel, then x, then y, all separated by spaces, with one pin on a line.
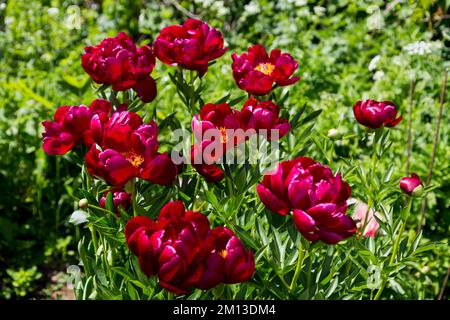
pixel 216 130
pixel 256 72
pixel 182 250
pixel 316 197
pixel 412 185
pixel 210 172
pixel 72 124
pixel 118 62
pixel 129 149
pixel 374 114
pixel 218 121
pixel 228 262
pixel 263 115
pixel 120 199
pixel 191 45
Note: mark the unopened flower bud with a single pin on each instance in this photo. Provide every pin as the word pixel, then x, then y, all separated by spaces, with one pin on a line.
pixel 412 185
pixel 83 203
pixel 334 133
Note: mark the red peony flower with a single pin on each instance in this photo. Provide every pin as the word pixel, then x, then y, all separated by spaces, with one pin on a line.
pixel 129 149
pixel 182 250
pixel 316 197
pixel 120 199
pixel 263 116
pixel 118 62
pixel 72 124
pixel 216 130
pixel 374 114
pixel 412 185
pixel 228 261
pixel 256 72
pixel 210 172
pixel 191 45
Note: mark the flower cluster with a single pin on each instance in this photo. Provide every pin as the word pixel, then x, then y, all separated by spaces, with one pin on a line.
pixel 180 247
pixel 220 128
pixel 185 253
pixel 315 196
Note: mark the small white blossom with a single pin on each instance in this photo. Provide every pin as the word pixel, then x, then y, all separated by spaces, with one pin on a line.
pixel 419 48
pixel 9 20
pixel 373 63
pixel 376 20
pixel 378 75
pixel 319 11
pixel 53 11
pixel 252 8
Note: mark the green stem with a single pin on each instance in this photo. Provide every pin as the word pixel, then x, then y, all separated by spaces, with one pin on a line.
pixel 409 126
pixel 283 281
pixel 301 257
pixel 197 186
pixel 371 200
pixel 94 239
pixel 396 244
pixel 133 196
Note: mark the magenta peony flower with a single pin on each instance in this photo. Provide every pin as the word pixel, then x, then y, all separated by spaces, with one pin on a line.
pixel 191 45
pixel 316 197
pixel 374 114
pixel 256 72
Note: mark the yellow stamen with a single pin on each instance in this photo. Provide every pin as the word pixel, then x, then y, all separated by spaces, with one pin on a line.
pixel 224 137
pixel 266 68
pixel 133 158
pixel 223 253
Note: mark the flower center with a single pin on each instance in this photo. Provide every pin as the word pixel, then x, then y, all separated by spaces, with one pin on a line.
pixel 223 137
pixel 266 68
pixel 223 253
pixel 133 158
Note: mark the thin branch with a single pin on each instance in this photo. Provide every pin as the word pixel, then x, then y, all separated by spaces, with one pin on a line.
pixel 409 134
pixel 435 144
pixel 182 9
pixel 444 285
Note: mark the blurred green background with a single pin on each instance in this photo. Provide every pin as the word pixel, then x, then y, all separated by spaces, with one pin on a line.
pixel 347 50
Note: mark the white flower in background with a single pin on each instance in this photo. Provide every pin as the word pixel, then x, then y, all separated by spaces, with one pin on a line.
pixel 398 60
pixel 319 11
pixel 205 3
pixel 221 9
pixel 378 75
pixel 373 63
pixel 9 20
pixel 252 8
pixel 376 20
pixel 290 4
pixel 53 11
pixel 419 48
pixel 2 6
pixel 225 69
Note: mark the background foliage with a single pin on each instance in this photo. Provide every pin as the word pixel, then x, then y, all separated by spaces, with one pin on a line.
pixel 346 50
